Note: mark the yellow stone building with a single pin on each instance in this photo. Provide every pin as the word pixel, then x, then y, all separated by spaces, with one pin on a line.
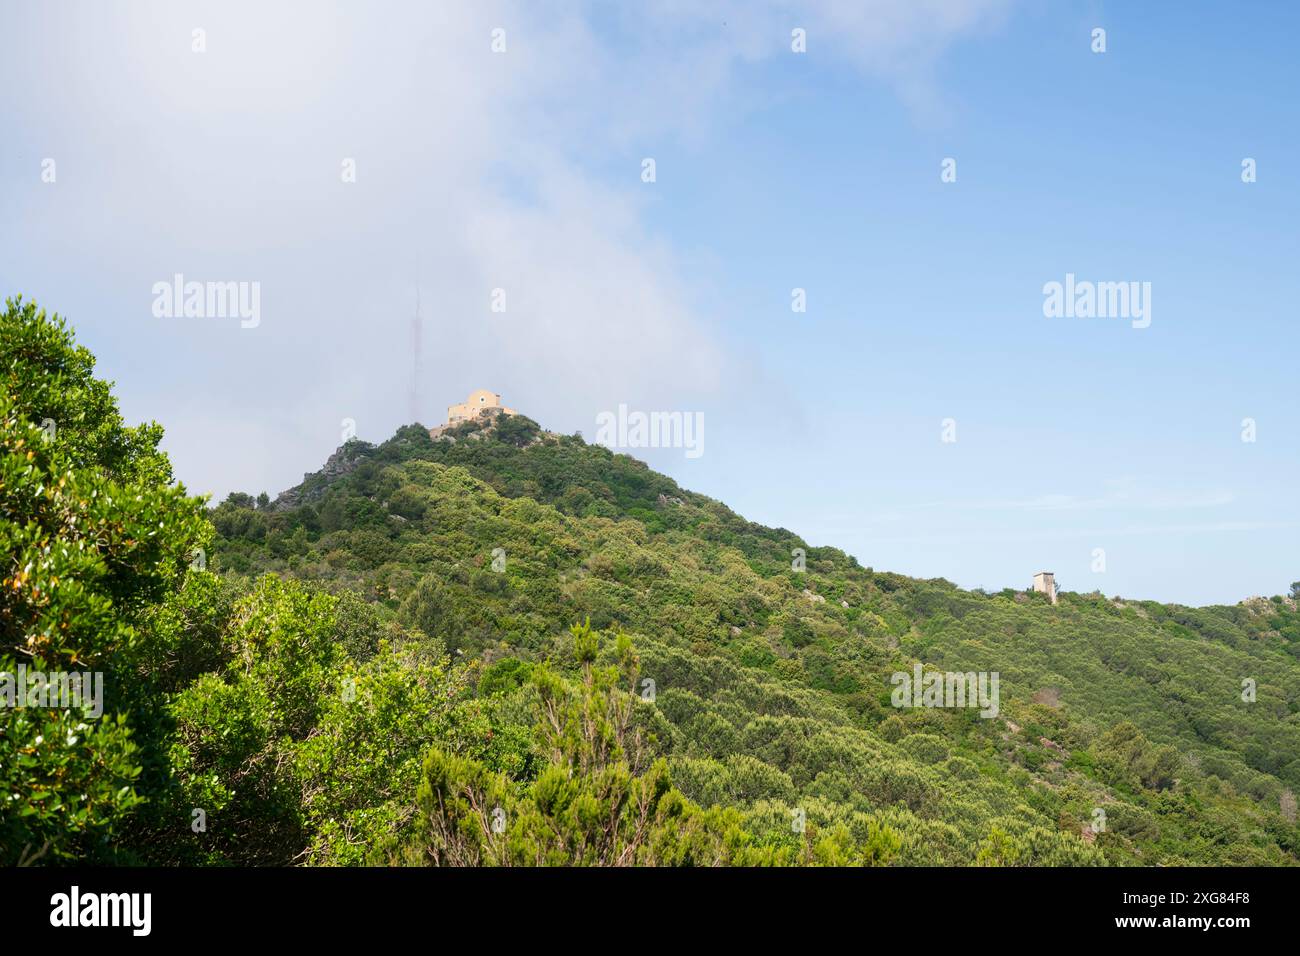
pixel 480 401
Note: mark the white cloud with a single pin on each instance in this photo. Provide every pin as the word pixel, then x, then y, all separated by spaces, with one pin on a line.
pixel 474 171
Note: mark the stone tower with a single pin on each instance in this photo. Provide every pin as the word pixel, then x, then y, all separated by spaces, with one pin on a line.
pixel 1045 583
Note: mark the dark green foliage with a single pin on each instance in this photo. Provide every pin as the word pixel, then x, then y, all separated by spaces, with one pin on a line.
pixel 93 535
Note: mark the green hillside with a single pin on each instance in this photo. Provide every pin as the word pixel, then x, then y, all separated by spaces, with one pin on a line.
pixel 509 646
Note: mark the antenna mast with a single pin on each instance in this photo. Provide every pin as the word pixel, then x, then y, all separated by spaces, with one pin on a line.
pixel 415 351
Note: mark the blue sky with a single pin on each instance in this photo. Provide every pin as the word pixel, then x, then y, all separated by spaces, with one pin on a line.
pixel 774 170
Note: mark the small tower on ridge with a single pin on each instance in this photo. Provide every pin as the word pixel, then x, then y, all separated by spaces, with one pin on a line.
pixel 1045 583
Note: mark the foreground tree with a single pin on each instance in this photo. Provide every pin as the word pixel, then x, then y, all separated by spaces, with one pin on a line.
pixel 94 533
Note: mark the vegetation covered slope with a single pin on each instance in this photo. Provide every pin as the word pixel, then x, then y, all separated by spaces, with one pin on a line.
pixel 510 647
pixel 773 684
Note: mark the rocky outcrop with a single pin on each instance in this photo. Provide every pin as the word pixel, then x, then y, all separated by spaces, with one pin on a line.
pixel 343 462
